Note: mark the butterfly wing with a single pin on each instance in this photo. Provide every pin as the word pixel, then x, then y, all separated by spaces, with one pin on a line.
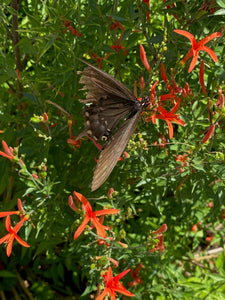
pixel 111 102
pixel 113 150
pixel 99 84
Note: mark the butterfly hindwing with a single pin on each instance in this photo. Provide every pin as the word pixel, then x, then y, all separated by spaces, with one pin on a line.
pixel 113 150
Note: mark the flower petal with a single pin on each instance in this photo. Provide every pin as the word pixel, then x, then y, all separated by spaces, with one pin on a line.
pixel 80 229
pixel 5 238
pixel 9 246
pixel 99 227
pixel 210 52
pixel 103 294
pixel 208 38
pixel 8 213
pixel 187 35
pixel 103 212
pixel 193 62
pixel 170 128
pixel 20 241
pixel 122 274
pixel 187 56
pixel 121 289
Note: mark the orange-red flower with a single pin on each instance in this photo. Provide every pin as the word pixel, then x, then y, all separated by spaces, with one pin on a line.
pixel 186 91
pixel 209 133
pixel 112 285
pixel 168 117
pixel 8 151
pixel 9 238
pixel 135 274
pixel 91 216
pixel 196 47
pixel 118 46
pixel 99 59
pixel 69 27
pixel 142 82
pixel 144 58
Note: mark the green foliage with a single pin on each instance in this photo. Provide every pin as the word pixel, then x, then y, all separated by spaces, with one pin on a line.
pixel 179 182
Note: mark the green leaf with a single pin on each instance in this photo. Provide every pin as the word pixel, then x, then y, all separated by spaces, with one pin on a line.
pixel 221 3
pixel 7 274
pixel 219 12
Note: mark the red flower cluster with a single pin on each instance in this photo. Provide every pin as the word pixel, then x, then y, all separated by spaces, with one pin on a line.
pixel 118 46
pixel 158 107
pixel 99 59
pixel 69 27
pixel 159 245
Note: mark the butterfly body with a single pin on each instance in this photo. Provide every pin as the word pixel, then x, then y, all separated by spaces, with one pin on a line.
pixel 109 103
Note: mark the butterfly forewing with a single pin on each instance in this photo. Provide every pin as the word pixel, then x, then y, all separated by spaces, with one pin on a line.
pixel 100 83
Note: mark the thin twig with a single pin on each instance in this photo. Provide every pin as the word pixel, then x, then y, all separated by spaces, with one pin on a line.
pixel 15 41
pixel 26 291
pixel 2 295
pixel 15 294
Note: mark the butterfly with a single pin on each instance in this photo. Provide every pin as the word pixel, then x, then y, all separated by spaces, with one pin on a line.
pixel 108 102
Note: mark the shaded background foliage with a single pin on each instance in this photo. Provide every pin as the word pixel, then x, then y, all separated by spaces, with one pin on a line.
pixel 150 189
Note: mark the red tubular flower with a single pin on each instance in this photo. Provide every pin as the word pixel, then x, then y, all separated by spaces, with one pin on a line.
pixel 118 46
pixel 144 58
pixel 163 73
pixel 9 238
pixel 209 133
pixel 161 229
pixel 116 25
pixel 142 82
pixel 196 47
pixel 201 77
pixel 91 216
pixel 8 151
pixel 110 192
pixel 135 274
pixel 45 117
pixel 112 285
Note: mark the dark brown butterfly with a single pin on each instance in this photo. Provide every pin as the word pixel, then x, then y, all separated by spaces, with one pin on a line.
pixel 110 102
